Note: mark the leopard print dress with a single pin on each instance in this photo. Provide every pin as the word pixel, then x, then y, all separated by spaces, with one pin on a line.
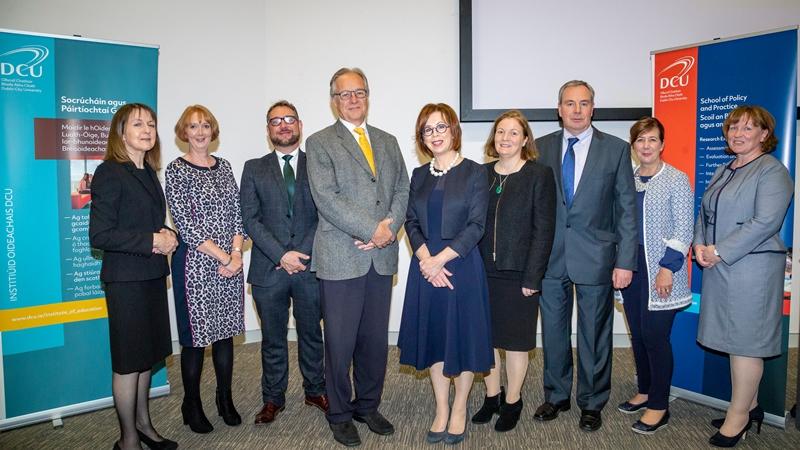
pixel 204 203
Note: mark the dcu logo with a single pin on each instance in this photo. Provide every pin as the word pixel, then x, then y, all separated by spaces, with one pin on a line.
pixel 31 68
pixel 678 79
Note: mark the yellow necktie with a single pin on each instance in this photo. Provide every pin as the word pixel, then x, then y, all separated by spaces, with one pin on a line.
pixel 365 148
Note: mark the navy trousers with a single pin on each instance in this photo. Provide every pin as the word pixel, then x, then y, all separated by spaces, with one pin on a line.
pixel 356 318
pixel 650 330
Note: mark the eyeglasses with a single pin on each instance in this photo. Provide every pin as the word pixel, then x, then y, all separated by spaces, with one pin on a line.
pixel 439 128
pixel 345 95
pixel 276 121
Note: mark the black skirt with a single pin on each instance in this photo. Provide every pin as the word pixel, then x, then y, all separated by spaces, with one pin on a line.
pixel 514 316
pixel 138 324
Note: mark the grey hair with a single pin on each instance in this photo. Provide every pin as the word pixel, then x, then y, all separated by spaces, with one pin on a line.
pixel 574 83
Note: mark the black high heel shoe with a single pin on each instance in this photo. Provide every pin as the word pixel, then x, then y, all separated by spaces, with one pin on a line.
pixel 226 409
pixel 164 444
pixel 720 440
pixel 756 415
pixel 193 415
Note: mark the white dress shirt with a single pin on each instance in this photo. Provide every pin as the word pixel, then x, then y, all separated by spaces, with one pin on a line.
pixel 292 162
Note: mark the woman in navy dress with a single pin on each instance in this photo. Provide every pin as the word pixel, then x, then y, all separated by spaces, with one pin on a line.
pixel 445 324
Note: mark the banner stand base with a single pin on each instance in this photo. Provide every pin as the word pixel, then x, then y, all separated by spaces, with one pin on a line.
pixel 57 414
pixel 771 419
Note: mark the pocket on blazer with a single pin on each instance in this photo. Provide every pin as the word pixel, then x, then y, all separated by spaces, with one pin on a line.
pixel 607 236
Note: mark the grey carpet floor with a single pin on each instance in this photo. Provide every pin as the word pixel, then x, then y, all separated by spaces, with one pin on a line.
pixel 408 402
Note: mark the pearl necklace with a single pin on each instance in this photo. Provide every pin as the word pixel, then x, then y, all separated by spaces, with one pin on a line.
pixel 437 173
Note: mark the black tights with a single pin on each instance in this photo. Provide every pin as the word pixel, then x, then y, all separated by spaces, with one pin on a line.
pixel 192 367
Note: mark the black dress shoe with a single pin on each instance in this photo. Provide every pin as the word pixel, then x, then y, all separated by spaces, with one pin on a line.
pixel 376 423
pixel 756 415
pixel 549 411
pixel 643 428
pixel 491 406
pixel 164 444
pixel 630 408
pixel 590 420
pixel 346 433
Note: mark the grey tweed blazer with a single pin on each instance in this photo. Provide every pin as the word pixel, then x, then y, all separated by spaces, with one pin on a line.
pixel 351 200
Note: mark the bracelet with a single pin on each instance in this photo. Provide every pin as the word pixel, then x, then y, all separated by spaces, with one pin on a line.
pixel 230 260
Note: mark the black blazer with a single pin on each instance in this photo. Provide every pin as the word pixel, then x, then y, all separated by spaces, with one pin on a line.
pixel 466 197
pixel 125 213
pixel 524 225
pixel 265 214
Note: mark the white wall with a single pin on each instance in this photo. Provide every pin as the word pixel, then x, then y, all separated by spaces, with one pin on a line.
pixel 238 57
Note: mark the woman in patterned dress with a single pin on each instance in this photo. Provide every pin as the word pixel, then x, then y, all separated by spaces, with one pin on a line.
pixel 660 286
pixel 207 267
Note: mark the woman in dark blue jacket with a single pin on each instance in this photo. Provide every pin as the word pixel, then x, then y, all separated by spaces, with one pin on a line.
pixel 445 324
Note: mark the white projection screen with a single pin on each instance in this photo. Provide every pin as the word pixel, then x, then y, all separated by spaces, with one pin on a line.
pixel 517 53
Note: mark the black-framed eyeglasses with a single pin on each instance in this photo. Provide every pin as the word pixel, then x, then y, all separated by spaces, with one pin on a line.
pixel 345 95
pixel 439 128
pixel 276 121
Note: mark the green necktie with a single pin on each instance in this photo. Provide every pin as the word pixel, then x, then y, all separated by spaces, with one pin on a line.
pixel 288 179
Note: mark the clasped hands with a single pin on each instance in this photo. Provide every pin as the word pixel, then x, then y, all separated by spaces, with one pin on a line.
pixel 164 242
pixel 381 238
pixel 233 268
pixel 705 255
pixel 293 262
pixel 433 270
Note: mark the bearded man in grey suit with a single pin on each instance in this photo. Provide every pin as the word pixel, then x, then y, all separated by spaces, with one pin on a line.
pixel 280 218
pixel 594 252
pixel 360 186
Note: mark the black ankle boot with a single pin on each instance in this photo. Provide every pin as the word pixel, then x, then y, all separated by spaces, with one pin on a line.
pixel 509 416
pixel 193 415
pixel 226 409
pixel 491 406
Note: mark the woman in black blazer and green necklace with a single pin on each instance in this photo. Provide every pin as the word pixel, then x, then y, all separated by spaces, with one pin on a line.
pixel 520 226
pixel 127 222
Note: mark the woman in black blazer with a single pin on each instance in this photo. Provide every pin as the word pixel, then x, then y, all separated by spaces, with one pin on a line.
pixel 127 222
pixel 445 323
pixel 516 246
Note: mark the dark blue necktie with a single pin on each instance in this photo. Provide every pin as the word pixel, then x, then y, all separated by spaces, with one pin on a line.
pixel 568 171
pixel 288 179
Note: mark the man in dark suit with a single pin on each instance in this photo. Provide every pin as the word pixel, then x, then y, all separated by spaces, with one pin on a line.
pixel 280 217
pixel 594 252
pixel 360 186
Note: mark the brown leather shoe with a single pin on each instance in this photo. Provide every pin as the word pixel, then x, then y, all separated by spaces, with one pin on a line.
pixel 320 401
pixel 268 413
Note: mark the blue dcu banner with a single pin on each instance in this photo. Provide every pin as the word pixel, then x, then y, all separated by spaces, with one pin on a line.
pixel 57 97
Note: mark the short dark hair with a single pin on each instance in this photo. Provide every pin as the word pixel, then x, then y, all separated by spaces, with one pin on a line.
pixel 285 104
pixel 646 124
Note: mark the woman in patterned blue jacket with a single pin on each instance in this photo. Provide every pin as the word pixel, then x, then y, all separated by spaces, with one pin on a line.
pixel 660 286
